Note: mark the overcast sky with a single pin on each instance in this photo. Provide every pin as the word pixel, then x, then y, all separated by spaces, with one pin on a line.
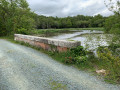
pixel 63 8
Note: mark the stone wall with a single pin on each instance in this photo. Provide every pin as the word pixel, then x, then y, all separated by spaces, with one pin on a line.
pixel 47 43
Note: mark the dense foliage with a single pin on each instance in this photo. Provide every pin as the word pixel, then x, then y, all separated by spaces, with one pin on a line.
pixel 110 59
pixel 79 21
pixel 14 15
pixel 75 56
pixel 112 24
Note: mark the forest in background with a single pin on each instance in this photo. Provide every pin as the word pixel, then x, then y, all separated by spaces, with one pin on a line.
pixel 79 21
pixel 16 17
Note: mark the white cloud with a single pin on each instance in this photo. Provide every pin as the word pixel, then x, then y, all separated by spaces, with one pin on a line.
pixel 63 8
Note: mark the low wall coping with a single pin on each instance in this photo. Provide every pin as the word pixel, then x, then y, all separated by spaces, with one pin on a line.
pixel 56 42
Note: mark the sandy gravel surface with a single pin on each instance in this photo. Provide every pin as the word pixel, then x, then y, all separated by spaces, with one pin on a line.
pixel 23 68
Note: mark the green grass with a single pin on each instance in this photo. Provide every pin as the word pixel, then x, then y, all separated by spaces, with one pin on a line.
pixel 9 38
pixel 55 85
pixel 75 29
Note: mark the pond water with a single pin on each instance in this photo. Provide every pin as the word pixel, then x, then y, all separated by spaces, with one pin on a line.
pixel 89 39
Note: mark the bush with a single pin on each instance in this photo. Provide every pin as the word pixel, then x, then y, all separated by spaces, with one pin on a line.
pixel 113 47
pixel 79 51
pixel 112 24
pixel 76 55
pixel 111 63
pixel 22 31
pixel 80 59
pixel 69 60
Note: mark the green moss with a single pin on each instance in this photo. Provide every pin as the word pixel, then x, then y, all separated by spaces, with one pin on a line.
pixel 55 85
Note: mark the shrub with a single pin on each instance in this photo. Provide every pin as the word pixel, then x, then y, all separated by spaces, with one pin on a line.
pixel 79 51
pixel 111 63
pixel 112 24
pixel 76 55
pixel 22 31
pixel 69 60
pixel 80 59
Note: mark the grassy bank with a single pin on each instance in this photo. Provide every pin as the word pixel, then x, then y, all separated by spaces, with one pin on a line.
pixel 55 31
pixel 75 29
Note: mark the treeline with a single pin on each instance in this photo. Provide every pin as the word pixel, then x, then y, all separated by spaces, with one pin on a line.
pixel 79 21
pixel 16 17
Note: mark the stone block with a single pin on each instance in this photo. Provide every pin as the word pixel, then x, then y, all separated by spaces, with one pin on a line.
pixel 47 43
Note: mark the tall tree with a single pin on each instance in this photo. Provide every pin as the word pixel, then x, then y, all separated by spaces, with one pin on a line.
pixel 113 5
pixel 14 14
pixel 112 24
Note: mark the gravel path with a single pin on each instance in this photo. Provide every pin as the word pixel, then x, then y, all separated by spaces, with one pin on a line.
pixel 23 68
